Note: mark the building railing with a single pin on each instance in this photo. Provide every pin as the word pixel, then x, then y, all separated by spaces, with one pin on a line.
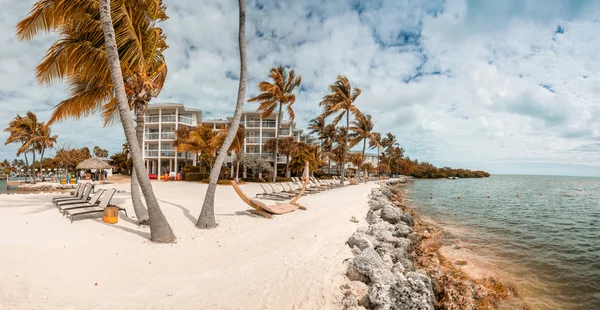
pixel 268 124
pixel 167 135
pixel 186 120
pixel 151 136
pixel 253 140
pixel 168 118
pixel 152 119
pixel 252 124
pixel 265 139
pixel 151 153
pixel 284 132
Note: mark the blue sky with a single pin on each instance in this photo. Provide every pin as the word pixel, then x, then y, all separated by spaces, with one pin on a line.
pixel 505 86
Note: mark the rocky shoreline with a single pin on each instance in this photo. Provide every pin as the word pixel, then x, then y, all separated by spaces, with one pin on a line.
pixel 397 264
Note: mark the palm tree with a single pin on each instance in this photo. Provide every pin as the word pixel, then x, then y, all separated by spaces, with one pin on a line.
pixel 206 220
pixel 45 141
pixel 274 96
pixel 341 101
pixel 317 126
pixel 328 137
pixel 375 142
pixel 160 230
pixel 388 142
pixel 79 57
pixel 237 145
pixel 361 131
pixel 25 130
pixel 286 146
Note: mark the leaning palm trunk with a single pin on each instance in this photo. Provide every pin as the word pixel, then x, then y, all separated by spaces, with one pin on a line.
pixel 160 231
pixel 276 143
pixel 207 215
pixel 138 207
pixel 33 166
pixel 41 163
pixel 27 164
pixel 345 148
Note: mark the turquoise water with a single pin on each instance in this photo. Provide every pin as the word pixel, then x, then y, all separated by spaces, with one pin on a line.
pixel 548 244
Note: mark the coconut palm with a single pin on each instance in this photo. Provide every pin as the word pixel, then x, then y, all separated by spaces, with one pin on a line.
pixel 160 231
pixel 328 137
pixel 317 126
pixel 361 131
pixel 286 146
pixel 206 220
pixel 341 102
pixel 375 142
pixel 78 56
pixel 45 141
pixel 387 143
pixel 26 131
pixel 274 96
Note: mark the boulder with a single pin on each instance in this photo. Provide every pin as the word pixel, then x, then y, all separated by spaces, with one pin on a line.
pixel 361 241
pixel 414 291
pixel 356 294
pixel 374 216
pixel 368 264
pixel 391 214
pixel 402 230
pixel 408 219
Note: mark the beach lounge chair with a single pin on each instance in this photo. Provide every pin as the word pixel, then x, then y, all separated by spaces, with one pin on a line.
pixel 262 209
pixel 76 193
pixel 278 191
pixel 269 194
pixel 87 188
pixel 84 198
pixel 104 202
pixel 93 201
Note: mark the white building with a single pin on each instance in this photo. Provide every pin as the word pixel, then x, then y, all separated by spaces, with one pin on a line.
pixel 162 120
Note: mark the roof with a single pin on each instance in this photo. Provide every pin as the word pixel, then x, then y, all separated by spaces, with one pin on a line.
pixel 93 163
pixel 171 105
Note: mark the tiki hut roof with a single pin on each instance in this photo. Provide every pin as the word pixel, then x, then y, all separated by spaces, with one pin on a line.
pixel 93 163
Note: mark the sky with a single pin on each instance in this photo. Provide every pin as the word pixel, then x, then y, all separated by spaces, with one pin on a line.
pixel 504 86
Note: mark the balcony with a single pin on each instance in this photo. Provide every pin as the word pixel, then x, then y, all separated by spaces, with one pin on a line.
pixel 168 118
pixel 268 123
pixel 151 153
pixel 186 120
pixel 151 136
pixel 265 139
pixel 252 124
pixel 152 119
pixel 284 132
pixel 253 140
pixel 167 135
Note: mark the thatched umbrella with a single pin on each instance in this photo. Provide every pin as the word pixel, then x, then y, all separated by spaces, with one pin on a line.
pixel 93 163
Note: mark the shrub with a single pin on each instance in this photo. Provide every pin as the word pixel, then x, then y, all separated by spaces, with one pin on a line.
pixel 319 173
pixel 195 176
pixel 253 180
pixel 188 169
pixel 326 177
pixel 219 182
pixel 282 179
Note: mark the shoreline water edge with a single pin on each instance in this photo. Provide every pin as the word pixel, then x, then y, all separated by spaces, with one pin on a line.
pixel 398 262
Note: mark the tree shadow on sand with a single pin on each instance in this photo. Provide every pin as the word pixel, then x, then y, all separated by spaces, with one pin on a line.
pixel 186 212
pixel 143 234
pixel 238 213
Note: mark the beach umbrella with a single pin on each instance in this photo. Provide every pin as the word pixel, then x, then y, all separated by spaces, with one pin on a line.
pixel 93 163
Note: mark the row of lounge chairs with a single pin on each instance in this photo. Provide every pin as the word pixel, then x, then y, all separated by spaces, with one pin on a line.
pixel 83 202
pixel 287 190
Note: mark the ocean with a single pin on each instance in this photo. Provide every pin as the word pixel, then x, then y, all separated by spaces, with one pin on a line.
pixel 541 231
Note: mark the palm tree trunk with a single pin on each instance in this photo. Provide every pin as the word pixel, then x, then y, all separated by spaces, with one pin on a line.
pixel 287 166
pixel 378 161
pixel 160 231
pixel 276 143
pixel 41 164
pixel 237 171
pixel 206 220
pixel 27 164
pixel 141 213
pixel 33 166
pixel 345 148
pixel 362 159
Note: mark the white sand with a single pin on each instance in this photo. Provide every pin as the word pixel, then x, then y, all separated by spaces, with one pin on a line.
pixel 293 261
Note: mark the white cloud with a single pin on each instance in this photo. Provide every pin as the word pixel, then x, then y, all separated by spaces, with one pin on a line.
pixel 457 81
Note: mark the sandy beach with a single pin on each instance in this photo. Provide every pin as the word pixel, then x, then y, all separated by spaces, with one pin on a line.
pixel 293 261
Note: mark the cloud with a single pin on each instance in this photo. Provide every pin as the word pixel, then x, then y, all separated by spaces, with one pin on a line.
pixel 457 81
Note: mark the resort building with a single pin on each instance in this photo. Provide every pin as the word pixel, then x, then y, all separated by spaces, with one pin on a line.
pixel 163 119
pixel 161 122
